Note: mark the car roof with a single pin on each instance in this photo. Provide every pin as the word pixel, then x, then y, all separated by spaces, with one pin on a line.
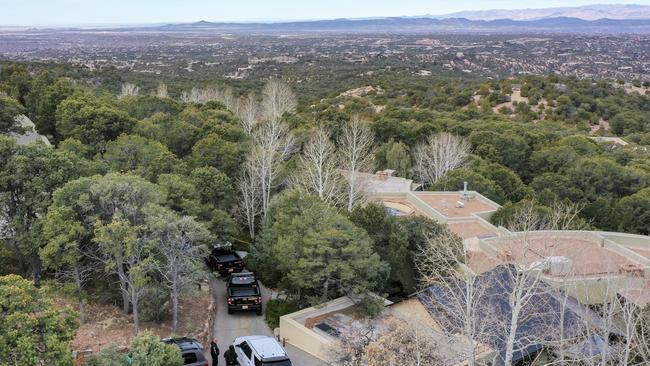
pixel 184 343
pixel 267 347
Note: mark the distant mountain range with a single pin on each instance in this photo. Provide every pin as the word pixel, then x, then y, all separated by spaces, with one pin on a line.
pixel 413 25
pixel 582 19
pixel 586 12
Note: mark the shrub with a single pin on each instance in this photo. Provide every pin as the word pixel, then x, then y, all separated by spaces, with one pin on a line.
pixel 276 308
pixel 111 355
pixel 155 305
pixel 369 305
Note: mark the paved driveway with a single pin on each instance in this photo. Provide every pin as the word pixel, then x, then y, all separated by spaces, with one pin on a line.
pixel 228 327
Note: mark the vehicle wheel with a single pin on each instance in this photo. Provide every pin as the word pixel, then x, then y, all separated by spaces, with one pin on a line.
pixel 229 311
pixel 259 312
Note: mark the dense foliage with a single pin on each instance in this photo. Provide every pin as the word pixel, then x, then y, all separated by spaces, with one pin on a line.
pixel 125 174
pixel 32 330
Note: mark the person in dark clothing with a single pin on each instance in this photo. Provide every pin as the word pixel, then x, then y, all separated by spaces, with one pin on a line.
pixel 214 352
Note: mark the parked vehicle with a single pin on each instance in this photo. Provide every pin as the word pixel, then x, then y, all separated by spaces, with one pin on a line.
pixel 224 260
pixel 256 350
pixel 244 293
pixel 191 350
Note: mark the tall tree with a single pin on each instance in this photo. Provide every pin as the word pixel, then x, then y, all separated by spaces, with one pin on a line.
pixel 9 110
pixel 440 154
pixel 67 251
pixel 274 144
pixel 250 190
pixel 90 121
pixel 129 90
pixel 178 240
pixel 107 203
pixel 277 99
pixel 139 155
pixel 356 155
pixel 248 112
pixel 318 172
pixel 30 173
pixel 128 251
pixel 319 252
pixel 161 91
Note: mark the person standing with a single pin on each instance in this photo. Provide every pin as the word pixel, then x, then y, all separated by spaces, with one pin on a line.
pixel 214 352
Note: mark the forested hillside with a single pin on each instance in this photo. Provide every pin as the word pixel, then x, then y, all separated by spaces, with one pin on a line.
pixel 138 163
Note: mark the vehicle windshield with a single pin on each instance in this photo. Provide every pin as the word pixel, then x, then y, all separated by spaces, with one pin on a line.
pixel 245 280
pixel 277 363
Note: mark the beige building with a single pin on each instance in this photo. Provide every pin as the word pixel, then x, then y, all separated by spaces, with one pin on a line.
pixel 588 265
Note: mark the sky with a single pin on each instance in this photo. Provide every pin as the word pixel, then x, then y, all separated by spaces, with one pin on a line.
pixel 95 12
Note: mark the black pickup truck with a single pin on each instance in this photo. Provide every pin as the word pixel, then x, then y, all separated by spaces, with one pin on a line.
pixel 244 293
pixel 224 260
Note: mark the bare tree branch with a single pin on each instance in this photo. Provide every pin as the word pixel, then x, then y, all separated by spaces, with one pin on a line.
pixel 356 155
pixel 318 173
pixel 440 154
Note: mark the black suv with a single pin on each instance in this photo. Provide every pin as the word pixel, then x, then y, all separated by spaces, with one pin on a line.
pixel 191 350
pixel 244 293
pixel 224 260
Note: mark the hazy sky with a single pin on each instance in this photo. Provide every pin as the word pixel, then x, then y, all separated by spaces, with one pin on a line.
pixel 80 12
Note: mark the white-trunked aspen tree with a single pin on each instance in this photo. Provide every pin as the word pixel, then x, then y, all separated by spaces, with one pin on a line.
pixel 355 148
pixel 440 154
pixel 318 172
pixel 277 99
pixel 129 90
pixel 443 261
pixel 249 113
pixel 161 91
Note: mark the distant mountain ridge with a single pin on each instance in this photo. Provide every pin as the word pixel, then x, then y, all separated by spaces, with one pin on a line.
pixel 414 25
pixel 585 12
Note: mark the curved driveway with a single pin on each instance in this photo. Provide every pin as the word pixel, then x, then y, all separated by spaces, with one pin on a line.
pixel 228 327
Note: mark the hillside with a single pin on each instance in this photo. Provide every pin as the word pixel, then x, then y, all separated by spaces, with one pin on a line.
pixel 586 12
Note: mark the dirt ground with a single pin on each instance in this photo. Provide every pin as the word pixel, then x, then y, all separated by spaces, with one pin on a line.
pixel 106 324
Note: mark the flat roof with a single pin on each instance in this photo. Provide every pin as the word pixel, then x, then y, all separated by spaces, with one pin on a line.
pixel 640 251
pixel 480 262
pixel 448 203
pixel 471 229
pixel 587 255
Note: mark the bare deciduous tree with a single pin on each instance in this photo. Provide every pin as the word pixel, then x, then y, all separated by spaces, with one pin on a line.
pixel 619 339
pixel 251 191
pixel 274 144
pixel 440 154
pixel 248 112
pixel 129 90
pixel 350 347
pixel 526 284
pixel 356 156
pixel 440 258
pixel 161 91
pixel 389 341
pixel 318 172
pixel 277 99
pixel 407 343
pixel 198 95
